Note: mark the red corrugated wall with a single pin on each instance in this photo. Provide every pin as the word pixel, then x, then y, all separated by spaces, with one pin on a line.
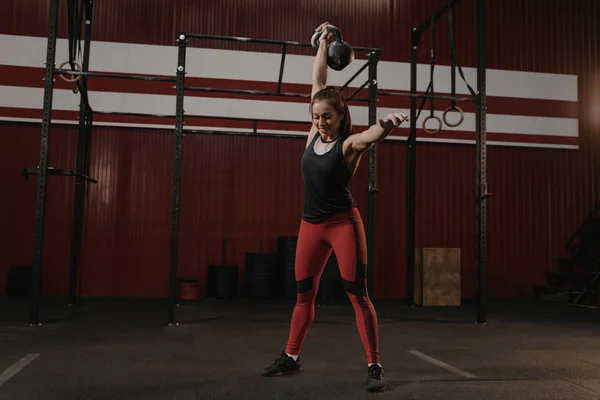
pixel 253 189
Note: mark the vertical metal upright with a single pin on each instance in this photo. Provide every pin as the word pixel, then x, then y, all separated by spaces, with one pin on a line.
pixel 83 143
pixel 374 58
pixel 411 166
pixel 38 240
pixel 179 121
pixel 481 182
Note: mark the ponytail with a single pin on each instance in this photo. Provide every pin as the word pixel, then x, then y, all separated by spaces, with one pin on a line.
pixel 346 128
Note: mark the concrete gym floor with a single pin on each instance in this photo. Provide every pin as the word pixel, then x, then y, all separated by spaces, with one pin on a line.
pixel 109 349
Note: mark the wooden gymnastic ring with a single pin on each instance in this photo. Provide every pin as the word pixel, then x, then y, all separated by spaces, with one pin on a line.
pixel 430 131
pixel 74 78
pixel 462 116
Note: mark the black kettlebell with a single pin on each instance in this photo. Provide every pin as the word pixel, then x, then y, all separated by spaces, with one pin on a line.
pixel 339 53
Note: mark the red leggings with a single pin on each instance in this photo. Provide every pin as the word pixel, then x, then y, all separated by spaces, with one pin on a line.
pixel 344 232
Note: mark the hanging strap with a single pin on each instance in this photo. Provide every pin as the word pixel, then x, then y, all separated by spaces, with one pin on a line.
pixel 453 64
pixel 431 87
pixel 74 24
pixel 77 13
pixel 74 19
pixel 432 67
pixel 453 61
pixel 452 35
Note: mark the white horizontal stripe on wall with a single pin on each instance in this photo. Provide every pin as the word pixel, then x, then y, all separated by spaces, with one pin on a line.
pixel 255 66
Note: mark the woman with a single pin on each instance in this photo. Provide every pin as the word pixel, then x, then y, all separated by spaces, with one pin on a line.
pixel 331 221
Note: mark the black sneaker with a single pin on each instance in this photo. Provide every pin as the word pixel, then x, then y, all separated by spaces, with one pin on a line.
pixel 375 380
pixel 284 365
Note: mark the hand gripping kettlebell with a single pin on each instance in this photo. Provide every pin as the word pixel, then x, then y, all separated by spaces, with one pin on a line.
pixel 339 53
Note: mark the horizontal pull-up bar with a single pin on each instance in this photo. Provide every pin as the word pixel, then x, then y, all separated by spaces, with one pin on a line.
pixel 260 92
pixel 246 91
pixel 117 76
pixel 276 121
pixel 263 41
pixel 240 133
pixel 130 114
pixel 427 96
pixel 52 171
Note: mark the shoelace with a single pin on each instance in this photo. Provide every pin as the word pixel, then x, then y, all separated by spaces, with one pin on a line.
pixel 280 360
pixel 375 372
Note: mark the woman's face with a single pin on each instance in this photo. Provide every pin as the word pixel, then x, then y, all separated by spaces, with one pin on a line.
pixel 326 118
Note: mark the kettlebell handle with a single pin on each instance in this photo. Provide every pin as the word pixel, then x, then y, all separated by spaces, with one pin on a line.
pixel 336 32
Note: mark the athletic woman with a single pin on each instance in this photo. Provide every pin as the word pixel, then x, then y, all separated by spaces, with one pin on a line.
pixel 331 221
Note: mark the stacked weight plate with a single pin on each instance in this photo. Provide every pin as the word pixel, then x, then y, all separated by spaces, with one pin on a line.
pixel 261 275
pixel 222 281
pixel 286 254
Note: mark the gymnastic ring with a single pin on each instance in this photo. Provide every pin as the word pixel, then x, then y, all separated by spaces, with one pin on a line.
pixel 428 130
pixel 74 78
pixel 462 116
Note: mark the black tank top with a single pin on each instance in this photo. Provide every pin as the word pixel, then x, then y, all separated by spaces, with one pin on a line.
pixel 326 182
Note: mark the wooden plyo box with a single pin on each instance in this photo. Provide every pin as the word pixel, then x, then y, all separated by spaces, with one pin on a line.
pixel 437 277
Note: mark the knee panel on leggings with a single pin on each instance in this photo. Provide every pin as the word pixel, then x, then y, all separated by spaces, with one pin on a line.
pixel 357 287
pixel 305 285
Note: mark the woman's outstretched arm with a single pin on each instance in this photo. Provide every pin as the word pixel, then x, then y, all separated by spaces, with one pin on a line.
pixel 365 140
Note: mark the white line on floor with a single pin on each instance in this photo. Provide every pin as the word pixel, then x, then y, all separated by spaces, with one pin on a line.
pixel 16 367
pixel 441 364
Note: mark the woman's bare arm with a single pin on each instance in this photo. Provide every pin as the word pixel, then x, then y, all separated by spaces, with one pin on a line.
pixel 319 71
pixel 376 133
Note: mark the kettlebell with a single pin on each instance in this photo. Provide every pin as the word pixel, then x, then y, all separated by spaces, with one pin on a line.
pixel 339 53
